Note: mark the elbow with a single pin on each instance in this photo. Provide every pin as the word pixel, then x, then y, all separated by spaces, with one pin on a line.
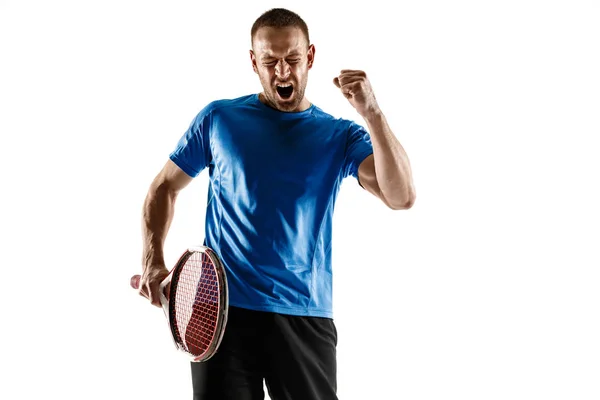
pixel 403 204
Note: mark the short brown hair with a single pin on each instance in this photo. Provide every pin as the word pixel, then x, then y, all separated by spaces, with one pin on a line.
pixel 279 18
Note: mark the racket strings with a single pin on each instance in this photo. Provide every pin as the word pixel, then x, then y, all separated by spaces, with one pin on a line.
pixel 196 307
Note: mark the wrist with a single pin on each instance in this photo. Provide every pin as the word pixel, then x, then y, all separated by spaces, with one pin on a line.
pixel 373 115
pixel 153 261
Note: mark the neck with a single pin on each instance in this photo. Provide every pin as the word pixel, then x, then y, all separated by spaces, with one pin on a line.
pixel 303 106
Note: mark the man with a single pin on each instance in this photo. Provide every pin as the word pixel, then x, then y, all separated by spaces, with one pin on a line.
pixel 275 163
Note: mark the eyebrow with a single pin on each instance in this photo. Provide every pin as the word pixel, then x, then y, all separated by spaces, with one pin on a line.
pixel 294 53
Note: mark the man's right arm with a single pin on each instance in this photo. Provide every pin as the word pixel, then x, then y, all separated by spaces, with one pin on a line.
pixel 158 211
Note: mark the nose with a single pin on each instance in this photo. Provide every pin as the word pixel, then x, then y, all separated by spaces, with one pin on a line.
pixel 282 70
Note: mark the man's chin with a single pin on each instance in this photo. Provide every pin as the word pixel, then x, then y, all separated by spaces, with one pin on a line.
pixel 286 104
pixel 275 101
pixel 285 100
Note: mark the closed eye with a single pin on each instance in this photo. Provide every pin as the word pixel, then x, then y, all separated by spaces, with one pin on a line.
pixel 272 63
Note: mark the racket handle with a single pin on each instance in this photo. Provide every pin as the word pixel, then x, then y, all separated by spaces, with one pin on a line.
pixel 163 293
pixel 135 281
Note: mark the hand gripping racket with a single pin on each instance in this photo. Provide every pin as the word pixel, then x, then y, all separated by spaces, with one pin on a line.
pixel 197 305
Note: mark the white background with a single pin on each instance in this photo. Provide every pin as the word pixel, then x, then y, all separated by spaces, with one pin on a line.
pixel 488 288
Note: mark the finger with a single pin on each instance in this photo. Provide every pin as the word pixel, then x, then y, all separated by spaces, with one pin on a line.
pixel 352 87
pixel 345 80
pixel 336 82
pixel 353 72
pixel 146 292
pixel 143 292
pixel 135 281
pixel 155 296
pixel 157 303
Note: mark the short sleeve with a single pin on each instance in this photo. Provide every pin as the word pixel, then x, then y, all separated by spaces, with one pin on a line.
pixel 358 147
pixel 192 153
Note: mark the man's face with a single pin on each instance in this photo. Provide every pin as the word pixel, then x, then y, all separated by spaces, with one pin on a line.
pixel 281 57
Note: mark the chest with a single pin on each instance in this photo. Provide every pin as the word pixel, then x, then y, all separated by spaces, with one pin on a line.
pixel 284 152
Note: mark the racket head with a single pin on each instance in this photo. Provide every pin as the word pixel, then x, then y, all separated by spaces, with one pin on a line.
pixel 198 303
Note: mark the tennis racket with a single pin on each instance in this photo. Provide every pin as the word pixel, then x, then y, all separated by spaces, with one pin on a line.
pixel 198 302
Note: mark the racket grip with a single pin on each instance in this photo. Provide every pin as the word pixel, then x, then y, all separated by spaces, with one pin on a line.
pixel 135 281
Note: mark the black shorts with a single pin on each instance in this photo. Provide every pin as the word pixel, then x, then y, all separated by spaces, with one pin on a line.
pixel 295 356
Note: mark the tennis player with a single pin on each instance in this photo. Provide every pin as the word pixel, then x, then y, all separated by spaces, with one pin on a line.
pixel 275 162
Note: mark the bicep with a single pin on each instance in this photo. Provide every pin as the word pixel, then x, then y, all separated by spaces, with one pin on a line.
pixel 172 177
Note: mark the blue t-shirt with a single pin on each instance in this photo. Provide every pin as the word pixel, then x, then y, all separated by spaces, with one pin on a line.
pixel 274 179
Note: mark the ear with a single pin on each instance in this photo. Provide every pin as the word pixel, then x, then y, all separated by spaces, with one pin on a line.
pixel 253 60
pixel 311 55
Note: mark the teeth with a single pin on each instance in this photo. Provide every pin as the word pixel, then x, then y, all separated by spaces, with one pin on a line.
pixel 285 85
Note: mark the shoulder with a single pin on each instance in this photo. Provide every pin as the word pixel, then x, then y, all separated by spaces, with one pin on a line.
pixel 220 105
pixel 341 125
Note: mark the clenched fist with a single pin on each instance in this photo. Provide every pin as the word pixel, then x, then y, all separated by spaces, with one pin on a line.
pixel 355 86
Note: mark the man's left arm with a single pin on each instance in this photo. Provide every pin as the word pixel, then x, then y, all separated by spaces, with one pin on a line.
pixel 386 173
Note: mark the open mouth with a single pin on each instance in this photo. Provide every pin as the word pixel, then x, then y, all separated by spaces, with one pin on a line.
pixel 285 91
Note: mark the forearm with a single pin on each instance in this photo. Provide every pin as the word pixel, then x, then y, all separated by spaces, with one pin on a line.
pixel 392 167
pixel 158 211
